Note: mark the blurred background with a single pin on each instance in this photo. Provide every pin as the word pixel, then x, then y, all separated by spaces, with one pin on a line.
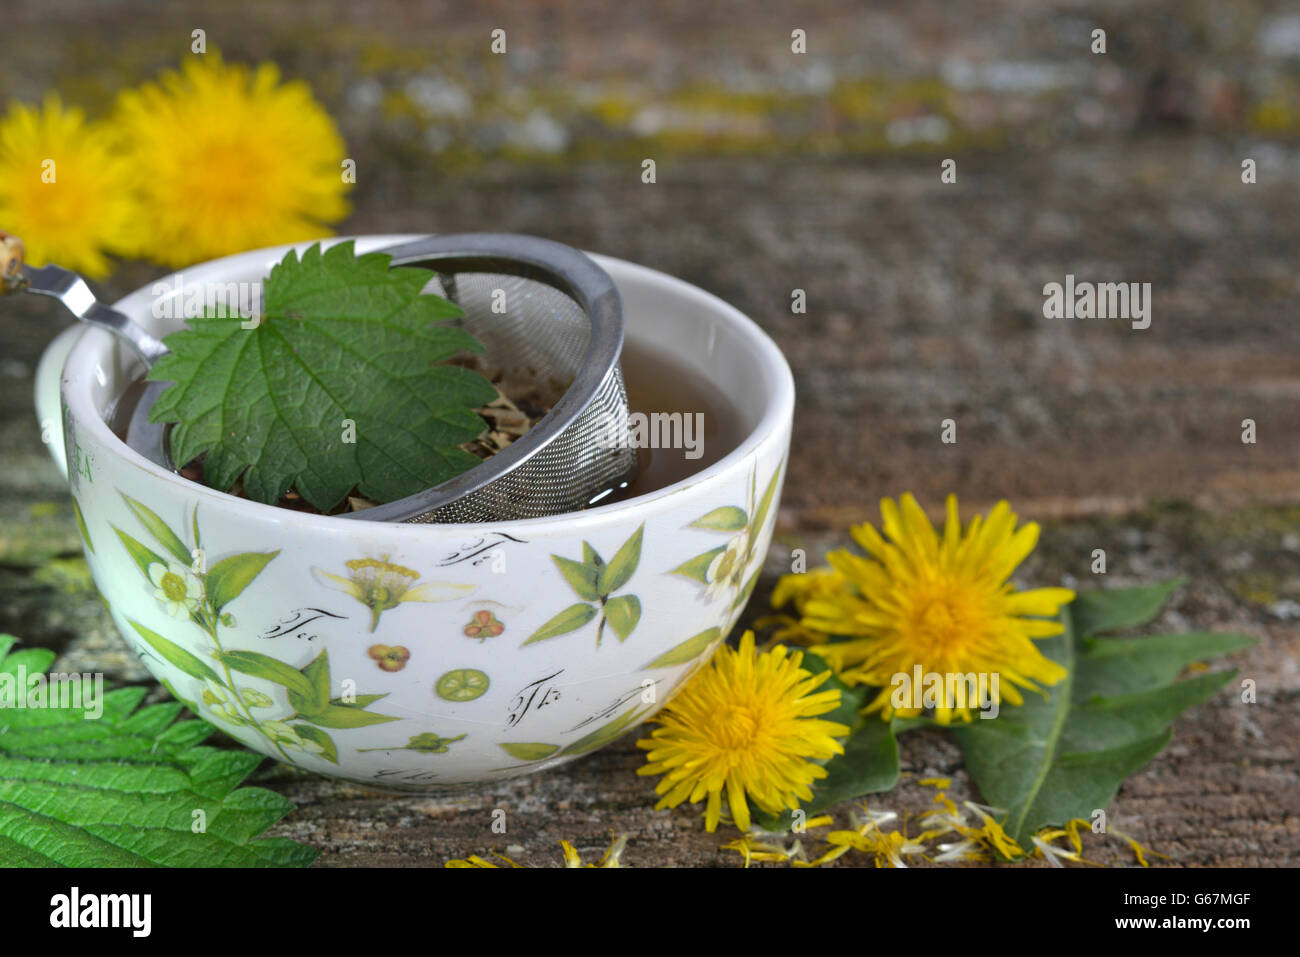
pixel 821 171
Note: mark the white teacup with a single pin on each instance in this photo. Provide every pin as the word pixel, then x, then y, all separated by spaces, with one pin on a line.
pixel 403 656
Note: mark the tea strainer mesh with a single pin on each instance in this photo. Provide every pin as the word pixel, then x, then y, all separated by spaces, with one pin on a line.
pixel 545 312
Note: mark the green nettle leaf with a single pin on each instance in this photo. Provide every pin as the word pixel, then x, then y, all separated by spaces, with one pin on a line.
pixel 121 791
pixel 621 567
pixel 581 578
pixel 159 529
pixel 312 733
pixel 140 554
pixel 571 619
pixel 529 750
pixel 229 577
pixel 698 567
pixel 729 518
pixel 869 763
pixel 341 338
pixel 623 612
pixel 174 654
pixel 688 650
pixel 1060 757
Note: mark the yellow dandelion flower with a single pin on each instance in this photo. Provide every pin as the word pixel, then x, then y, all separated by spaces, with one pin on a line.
pixel 228 158
pixel 745 725
pixel 943 605
pixel 63 188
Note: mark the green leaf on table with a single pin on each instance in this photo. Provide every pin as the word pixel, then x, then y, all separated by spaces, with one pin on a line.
pixel 121 791
pixel 173 653
pixel 1113 609
pixel 728 518
pixel 571 619
pixel 869 763
pixel 1062 756
pixel 620 568
pixel 229 577
pixel 160 530
pixel 623 612
pixel 342 338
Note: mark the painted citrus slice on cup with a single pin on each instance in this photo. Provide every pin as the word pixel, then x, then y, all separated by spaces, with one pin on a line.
pixel 463 684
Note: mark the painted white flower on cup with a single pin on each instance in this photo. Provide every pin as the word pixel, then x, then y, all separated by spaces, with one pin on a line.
pixel 380 585
pixel 287 737
pixel 725 573
pixel 177 588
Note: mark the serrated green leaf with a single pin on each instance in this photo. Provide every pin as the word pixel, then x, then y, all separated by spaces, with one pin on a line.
pixel 623 612
pixel 529 750
pixel 1062 756
pixel 688 650
pixel 571 619
pixel 341 338
pixel 616 573
pixel 173 653
pixel 126 790
pixel 581 578
pixel 728 518
pixel 160 530
pixel 229 577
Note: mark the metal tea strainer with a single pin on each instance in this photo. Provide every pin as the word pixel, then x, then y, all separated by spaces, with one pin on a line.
pixel 562 322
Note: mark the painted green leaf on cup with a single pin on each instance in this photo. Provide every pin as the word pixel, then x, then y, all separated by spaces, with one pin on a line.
pixel 728 518
pixel 620 568
pixel 581 578
pixel 312 733
pixel 229 577
pixel 591 557
pixel 342 716
pixel 765 503
pixel 1060 757
pixel 317 671
pixel 143 556
pixel 81 526
pixel 174 654
pixel 529 750
pixel 623 612
pixel 159 529
pixel 264 666
pixel 606 733
pixel 359 701
pixel 698 567
pixel 571 619
pixel 688 650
